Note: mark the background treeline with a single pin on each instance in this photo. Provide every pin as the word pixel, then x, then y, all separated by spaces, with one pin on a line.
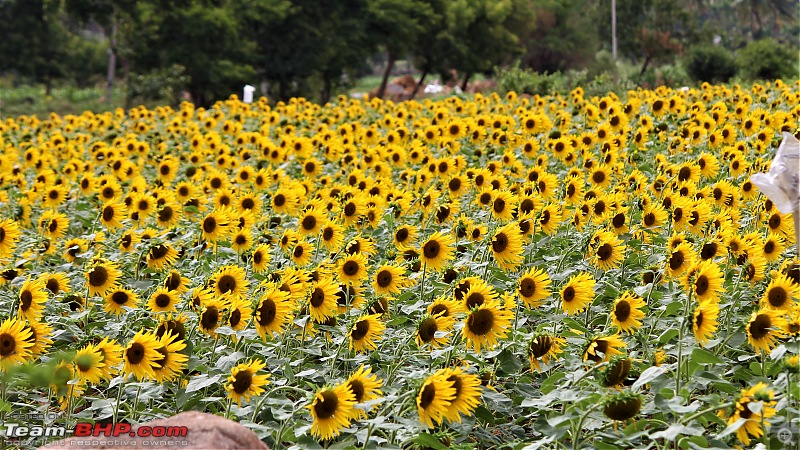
pixel 165 49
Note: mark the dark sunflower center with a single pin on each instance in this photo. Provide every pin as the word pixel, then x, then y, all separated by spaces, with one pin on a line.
pixel 605 252
pixel 298 251
pixel 676 260
pixel 53 286
pixel 242 381
pixel 701 285
pixel 618 220
pixel 499 205
pixel 540 346
pixel 350 209
pixel 698 321
pixel 500 243
pixel 599 177
pixel 163 300
pixel 173 281
pixel 257 257
pixel 760 326
pixel 485 198
pixel 8 345
pixel 777 296
pixel 126 240
pixel 309 223
pixel 709 250
pixel 481 322
pixel 267 311
pixel 454 184
pixel 427 329
pixel 120 297
pixel 159 251
pixel 527 287
pixel 622 311
pixel 98 276
pixel 431 249
pixel 769 247
pixel 226 283
pixel 475 299
pixel 360 330
pixel 384 278
pixel 26 299
pixel 135 353
pixel 326 407
pixel 358 390
pixel 684 174
pixel 108 213
pixel 210 318
pixel 401 235
pixel 649 219
pixel 209 224
pixel 53 226
pixel 279 200
pixel 317 297
pixel 235 317
pixel 440 309
pixel 350 268
pixel 427 396
pixel 569 294
pixel 165 214
pixel 526 206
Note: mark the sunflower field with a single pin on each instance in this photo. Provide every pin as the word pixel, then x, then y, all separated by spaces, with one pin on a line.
pixel 472 272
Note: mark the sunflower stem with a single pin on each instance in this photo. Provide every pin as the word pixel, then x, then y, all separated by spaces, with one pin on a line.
pixel 688 419
pixel 119 397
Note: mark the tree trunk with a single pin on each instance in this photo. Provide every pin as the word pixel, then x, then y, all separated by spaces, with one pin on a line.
pixel 112 62
pixel 644 66
pixel 466 81
pixel 48 86
pixel 126 72
pixel 325 94
pixel 421 80
pixel 386 73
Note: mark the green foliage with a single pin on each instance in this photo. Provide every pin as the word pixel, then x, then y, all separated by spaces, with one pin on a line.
pixel 710 63
pixel 766 59
pixel 526 81
pixel 160 84
pixel 561 36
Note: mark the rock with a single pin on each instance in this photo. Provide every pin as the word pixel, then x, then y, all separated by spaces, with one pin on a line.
pixel 203 431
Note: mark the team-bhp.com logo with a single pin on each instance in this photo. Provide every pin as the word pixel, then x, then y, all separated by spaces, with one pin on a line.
pixel 122 433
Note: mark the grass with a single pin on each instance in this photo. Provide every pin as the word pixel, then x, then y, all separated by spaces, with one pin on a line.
pixel 32 100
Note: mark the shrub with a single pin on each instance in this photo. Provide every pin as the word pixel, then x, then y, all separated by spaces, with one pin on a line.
pixel 710 63
pixel 766 59
pixel 526 81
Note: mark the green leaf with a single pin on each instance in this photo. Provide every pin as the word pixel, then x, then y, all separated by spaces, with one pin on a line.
pixel 429 440
pixel 702 356
pixel 200 382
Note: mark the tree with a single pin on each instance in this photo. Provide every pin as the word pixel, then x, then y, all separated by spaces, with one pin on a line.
pixel 562 35
pixel 393 25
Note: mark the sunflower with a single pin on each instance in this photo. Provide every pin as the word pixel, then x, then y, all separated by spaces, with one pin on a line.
pixel 603 348
pixel 162 300
pixel 606 250
pixel 141 355
pixel 485 324
pixel 705 280
pixel 352 269
pixel 780 293
pixel 754 416
pixel 231 280
pixel 215 226
pixel 168 214
pixel 468 391
pixel 507 247
pixel 111 353
pixel 704 321
pixel 9 236
pixel 245 381
pixel 322 300
pixel 15 343
pixel 273 313
pixel 389 279
pixel 627 312
pixel 260 258
pixel 764 328
pixel 543 348
pixel 239 313
pixel 241 241
pixel 128 241
pixel 112 214
pixel 434 399
pixel 365 387
pixel 622 406
pixel 447 307
pixel 102 278
pixel 161 256
pixel 434 330
pixel 365 332
pixel 332 235
pixel 88 364
pixel 437 251
pixel 210 316
pixel 55 282
pixel 171 361
pixel 302 254
pixel 654 216
pixel 503 206
pixel 478 293
pixel 40 337
pixel 118 298
pixel 53 225
pixel 332 410
pixel 310 222
pixel 550 218
pixel 680 259
pixel 32 298
pixel 577 293
pixel 534 286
